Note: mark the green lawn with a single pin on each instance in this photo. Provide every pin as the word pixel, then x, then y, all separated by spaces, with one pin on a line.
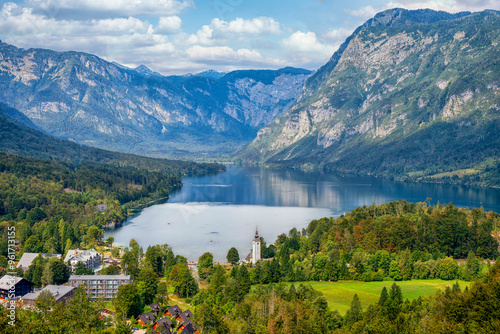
pixel 339 294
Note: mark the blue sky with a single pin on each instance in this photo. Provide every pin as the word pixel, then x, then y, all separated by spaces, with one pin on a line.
pixel 190 36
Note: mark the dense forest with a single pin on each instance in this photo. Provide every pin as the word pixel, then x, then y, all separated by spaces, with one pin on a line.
pixel 53 204
pixel 391 242
pixel 397 241
pixel 368 243
pixel 17 137
pixel 280 308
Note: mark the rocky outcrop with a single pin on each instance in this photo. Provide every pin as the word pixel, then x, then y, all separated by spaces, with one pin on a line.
pixel 400 77
pixel 84 98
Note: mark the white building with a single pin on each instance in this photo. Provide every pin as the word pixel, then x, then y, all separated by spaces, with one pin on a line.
pixel 256 248
pixel 90 258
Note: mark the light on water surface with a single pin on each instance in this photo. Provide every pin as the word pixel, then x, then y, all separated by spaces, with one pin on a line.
pixel 215 213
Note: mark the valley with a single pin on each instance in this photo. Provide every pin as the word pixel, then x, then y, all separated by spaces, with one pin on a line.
pixel 360 196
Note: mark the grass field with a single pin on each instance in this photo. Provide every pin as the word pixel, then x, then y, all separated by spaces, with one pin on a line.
pixel 339 294
pixel 459 173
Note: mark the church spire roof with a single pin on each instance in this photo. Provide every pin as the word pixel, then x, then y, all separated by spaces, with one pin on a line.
pixel 257 238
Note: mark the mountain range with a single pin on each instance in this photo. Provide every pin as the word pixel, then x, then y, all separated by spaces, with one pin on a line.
pixel 413 94
pixel 410 93
pixel 81 97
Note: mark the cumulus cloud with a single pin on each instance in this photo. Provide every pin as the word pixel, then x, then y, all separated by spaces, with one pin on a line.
pixel 306 49
pixel 111 7
pixel 24 24
pixel 364 12
pixel 219 31
pixel 169 25
pixel 131 41
pixel 221 53
pixel 256 26
pixel 202 36
pixel 305 42
pixel 228 56
pixel 452 6
pixel 336 36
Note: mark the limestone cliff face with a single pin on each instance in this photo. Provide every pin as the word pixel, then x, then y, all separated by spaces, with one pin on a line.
pixel 401 77
pixel 82 97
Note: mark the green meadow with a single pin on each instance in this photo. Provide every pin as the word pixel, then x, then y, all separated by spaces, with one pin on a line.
pixel 339 294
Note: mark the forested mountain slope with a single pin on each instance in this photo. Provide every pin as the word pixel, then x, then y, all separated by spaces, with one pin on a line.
pixel 79 96
pixel 21 140
pixel 409 94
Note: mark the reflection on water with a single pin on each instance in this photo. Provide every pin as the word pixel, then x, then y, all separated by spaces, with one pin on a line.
pixel 215 213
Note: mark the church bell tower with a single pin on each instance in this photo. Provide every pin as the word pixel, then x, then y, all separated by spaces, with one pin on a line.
pixel 256 248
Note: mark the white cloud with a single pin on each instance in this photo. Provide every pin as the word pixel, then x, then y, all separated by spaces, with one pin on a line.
pixel 23 24
pixel 115 26
pixel 451 6
pixel 306 50
pixel 203 36
pixel 257 26
pixel 364 12
pixel 113 7
pixel 220 31
pixel 221 53
pixel 306 42
pixel 336 36
pixel 169 25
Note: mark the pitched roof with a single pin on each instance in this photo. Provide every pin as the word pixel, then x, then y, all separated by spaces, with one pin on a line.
pixel 102 207
pixel 174 310
pixel 186 315
pixel 164 321
pixel 156 307
pixel 7 281
pixel 188 329
pixel 28 258
pixel 80 255
pixel 164 328
pixel 58 291
pixel 185 324
pixel 147 317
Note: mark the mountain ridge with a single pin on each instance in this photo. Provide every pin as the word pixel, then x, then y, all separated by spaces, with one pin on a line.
pixel 79 96
pixel 389 85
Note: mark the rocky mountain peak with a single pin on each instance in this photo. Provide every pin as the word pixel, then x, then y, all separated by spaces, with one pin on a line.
pixel 411 91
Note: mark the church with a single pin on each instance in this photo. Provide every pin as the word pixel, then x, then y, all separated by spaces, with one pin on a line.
pixel 255 255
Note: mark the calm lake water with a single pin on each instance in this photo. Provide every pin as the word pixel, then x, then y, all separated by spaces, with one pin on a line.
pixel 215 213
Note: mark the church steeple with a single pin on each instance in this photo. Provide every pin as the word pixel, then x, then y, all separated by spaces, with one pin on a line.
pixel 256 247
pixel 257 238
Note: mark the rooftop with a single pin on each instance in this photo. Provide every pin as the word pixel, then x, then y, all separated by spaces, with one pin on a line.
pixel 101 277
pixel 27 259
pixel 80 255
pixel 58 291
pixel 7 281
pixel 147 317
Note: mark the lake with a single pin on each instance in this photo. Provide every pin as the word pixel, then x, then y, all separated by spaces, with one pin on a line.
pixel 215 213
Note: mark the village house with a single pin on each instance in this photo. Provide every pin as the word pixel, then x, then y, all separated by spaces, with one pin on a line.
pixel 21 286
pixel 172 311
pixel 101 207
pixel 27 259
pixel 146 318
pixel 60 292
pixel 166 323
pixel 100 285
pixel 156 309
pixel 187 327
pixel 184 316
pixel 90 258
